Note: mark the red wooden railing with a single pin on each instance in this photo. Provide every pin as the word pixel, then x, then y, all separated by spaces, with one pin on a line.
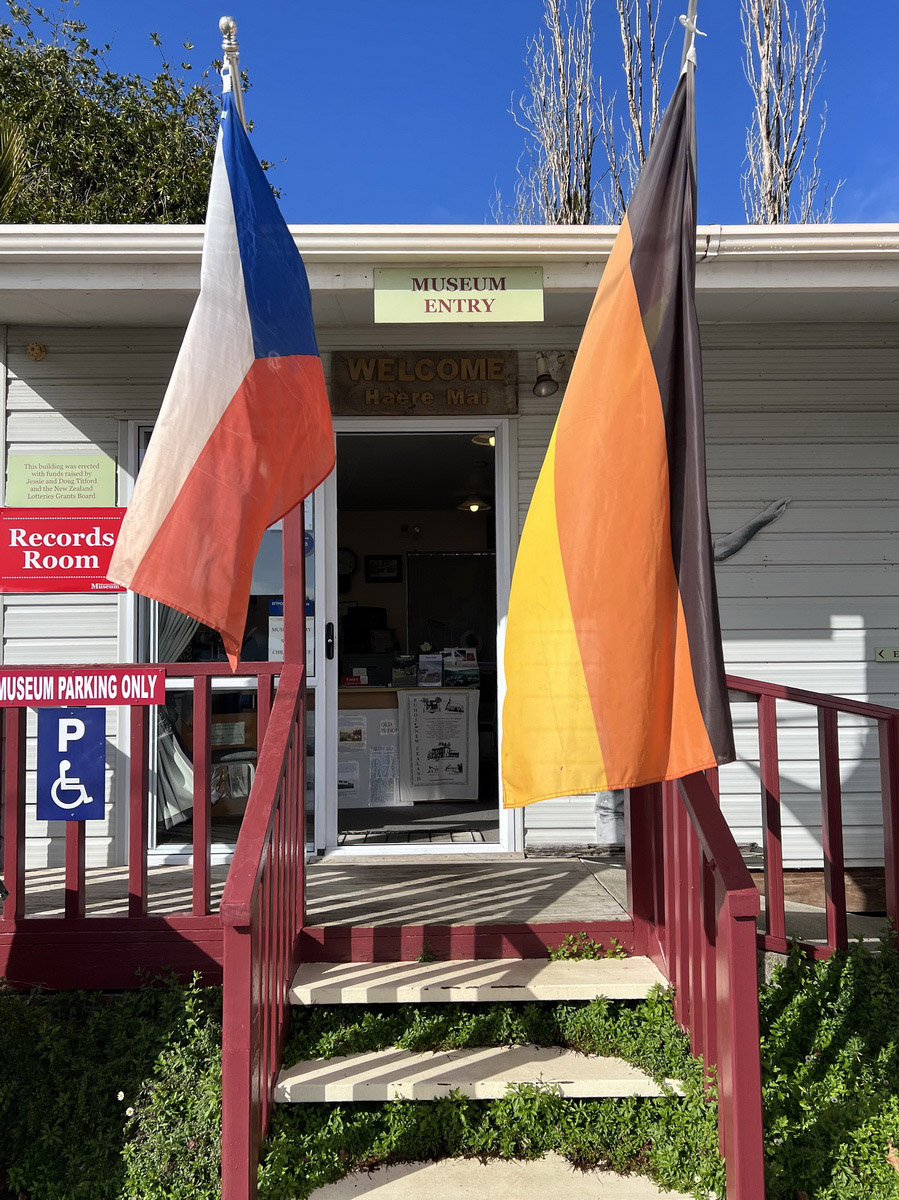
pixel 827 709
pixel 262 917
pixel 197 677
pixel 695 909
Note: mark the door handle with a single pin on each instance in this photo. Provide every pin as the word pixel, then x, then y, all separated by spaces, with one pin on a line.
pixel 329 640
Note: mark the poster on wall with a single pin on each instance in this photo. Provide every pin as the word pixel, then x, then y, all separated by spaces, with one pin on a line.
pixel 41 480
pixel 439 744
pixel 368 759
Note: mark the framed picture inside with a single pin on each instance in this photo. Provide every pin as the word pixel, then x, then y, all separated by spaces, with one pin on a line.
pixel 383 568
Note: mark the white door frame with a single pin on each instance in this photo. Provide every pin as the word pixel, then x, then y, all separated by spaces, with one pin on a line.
pixel 511 824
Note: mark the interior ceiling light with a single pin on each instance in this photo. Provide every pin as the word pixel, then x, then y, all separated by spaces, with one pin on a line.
pixel 544 385
pixel 474 504
pixel 484 439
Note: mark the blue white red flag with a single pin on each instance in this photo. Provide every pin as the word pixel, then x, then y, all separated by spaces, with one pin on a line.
pixel 244 433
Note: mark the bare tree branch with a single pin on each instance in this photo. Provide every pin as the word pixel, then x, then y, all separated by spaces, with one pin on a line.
pixel 783 65
pixel 566 111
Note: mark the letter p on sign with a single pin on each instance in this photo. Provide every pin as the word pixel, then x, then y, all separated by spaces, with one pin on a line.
pixel 70 730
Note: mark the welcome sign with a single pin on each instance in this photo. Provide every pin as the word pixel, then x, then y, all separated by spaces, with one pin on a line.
pixel 458 295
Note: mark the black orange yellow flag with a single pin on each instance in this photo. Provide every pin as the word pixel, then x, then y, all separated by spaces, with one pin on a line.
pixel 614 670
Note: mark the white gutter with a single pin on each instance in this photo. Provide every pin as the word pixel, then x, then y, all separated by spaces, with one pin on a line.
pixel 147 245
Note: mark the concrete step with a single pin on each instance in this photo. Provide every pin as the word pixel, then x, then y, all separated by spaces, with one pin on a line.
pixel 469 1179
pixel 484 1073
pixel 473 980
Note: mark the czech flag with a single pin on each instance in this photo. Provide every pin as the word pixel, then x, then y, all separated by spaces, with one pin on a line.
pixel 244 433
pixel 614 670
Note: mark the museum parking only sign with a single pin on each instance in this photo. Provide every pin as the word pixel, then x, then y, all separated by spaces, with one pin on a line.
pixel 71 764
pixel 49 687
pixel 58 549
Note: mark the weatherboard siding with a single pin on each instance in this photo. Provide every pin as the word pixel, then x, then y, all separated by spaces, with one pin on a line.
pixel 806 411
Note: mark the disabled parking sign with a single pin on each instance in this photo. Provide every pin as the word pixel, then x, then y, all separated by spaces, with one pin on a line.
pixel 71 764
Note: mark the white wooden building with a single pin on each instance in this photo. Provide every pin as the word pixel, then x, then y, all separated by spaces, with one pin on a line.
pixel 800 329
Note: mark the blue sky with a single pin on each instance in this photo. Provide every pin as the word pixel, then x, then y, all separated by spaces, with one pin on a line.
pixel 397 111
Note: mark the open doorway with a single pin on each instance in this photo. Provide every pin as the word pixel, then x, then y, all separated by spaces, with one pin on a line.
pixel 416 640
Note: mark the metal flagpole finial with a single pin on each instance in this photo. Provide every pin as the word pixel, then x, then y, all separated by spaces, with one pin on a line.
pixel 688 20
pixel 230 72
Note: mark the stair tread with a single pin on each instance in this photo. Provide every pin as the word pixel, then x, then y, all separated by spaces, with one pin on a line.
pixel 483 1073
pixel 474 980
pixel 467 1179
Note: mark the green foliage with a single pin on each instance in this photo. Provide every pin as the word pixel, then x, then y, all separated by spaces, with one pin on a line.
pixel 674 1140
pixel 830 1064
pixel 580 946
pixel 100 146
pixel 174 1150
pixel 12 164
pixel 64 1060
pixel 644 1033
pixel 427 953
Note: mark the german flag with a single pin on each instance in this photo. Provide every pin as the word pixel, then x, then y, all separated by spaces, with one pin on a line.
pixel 614 670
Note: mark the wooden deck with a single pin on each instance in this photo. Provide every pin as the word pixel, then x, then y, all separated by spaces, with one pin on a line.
pixel 361 893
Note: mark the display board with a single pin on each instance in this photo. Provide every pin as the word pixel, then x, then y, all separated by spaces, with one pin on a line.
pixel 438 744
pixel 367 758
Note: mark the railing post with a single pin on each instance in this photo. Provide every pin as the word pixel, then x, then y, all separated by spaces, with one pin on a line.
pixel 888 734
pixel 642 846
pixel 739 1064
pixel 74 905
pixel 14 814
pixel 240 1101
pixel 202 812
pixel 769 770
pixel 138 812
pixel 832 829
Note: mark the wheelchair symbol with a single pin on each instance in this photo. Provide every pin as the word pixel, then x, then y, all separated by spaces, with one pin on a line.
pixel 67 783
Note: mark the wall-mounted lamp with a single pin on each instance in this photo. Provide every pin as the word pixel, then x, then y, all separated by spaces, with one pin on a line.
pixel 544 384
pixel 484 439
pixel 474 504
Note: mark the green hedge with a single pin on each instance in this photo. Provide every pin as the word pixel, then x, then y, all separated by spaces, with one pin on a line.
pixel 111 1096
pixel 830 1056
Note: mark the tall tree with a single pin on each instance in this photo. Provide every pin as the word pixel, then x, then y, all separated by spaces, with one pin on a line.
pixel 581 162
pixel 784 66
pixel 99 146
pixel 559 118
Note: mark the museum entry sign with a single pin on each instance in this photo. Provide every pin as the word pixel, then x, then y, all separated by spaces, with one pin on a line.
pixel 471 294
pixel 428 383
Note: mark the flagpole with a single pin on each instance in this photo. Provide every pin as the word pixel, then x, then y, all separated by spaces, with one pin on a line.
pixel 690 32
pixel 230 72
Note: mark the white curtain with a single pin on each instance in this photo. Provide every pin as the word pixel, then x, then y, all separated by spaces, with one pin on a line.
pixel 174 769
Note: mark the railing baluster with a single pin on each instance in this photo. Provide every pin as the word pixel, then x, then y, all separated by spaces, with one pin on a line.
pixel 14 815
pixel 138 813
pixel 888 737
pixel 264 693
pixel 769 770
pixel 202 814
pixel 709 966
pixel 832 829
pixel 74 869
pixel 695 940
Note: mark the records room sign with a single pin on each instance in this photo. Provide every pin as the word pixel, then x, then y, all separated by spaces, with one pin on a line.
pixel 424 383
pixel 57 549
